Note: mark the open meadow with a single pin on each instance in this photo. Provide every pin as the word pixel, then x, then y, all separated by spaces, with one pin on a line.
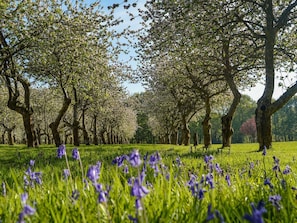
pixel 148 183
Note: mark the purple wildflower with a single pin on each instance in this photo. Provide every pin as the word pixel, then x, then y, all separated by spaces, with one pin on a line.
pixel 275 199
pixel 218 169
pixel 24 198
pixel 209 180
pixel 287 170
pixel 212 215
pixel 126 169
pixel 93 173
pixel 138 190
pixel 207 159
pixel 252 165
pixel 102 198
pixel 75 154
pixel 178 161
pixel 27 209
pixel 66 173
pixel 32 162
pixel 134 158
pixel 75 195
pixel 228 179
pixel 119 160
pixel 61 151
pixel 131 218
pixel 267 182
pixel 257 212
pixel 138 204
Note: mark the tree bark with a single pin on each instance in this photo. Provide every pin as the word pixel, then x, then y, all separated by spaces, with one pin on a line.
pixel 185 132
pixel 24 109
pixel 55 125
pixel 226 120
pixel 206 124
pixel 85 132
pixel 95 137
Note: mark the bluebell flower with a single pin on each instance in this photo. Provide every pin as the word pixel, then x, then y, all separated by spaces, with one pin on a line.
pixel 228 179
pixel 138 204
pixel 102 198
pixel 93 173
pixel 32 162
pixel 208 159
pixel 66 173
pixel 257 212
pixel 275 200
pixel 75 154
pixel 209 180
pixel 178 161
pixel 138 190
pixel 75 195
pixel 126 169
pixel 218 169
pixel 287 170
pixel 27 209
pixel 131 218
pixel 267 182
pixel 24 198
pixel 134 158
pixel 61 151
pixel 119 160
pixel 212 215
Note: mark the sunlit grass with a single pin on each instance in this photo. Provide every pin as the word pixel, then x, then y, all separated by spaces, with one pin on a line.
pixel 169 198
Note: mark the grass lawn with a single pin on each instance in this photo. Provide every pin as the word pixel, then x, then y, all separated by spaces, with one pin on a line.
pixel 159 183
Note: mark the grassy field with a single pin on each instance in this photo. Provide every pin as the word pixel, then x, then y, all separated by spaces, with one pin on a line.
pixel 161 183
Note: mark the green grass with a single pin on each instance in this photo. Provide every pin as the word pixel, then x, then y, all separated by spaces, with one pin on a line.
pixel 169 198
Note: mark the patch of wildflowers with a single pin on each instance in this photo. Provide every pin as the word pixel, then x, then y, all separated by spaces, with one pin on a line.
pixel 61 151
pixel 257 212
pixel 275 200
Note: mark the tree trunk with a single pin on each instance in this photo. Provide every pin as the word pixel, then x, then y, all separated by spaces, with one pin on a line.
pixel 24 109
pixel 95 137
pixel 174 137
pixel 263 123
pixel 55 125
pixel 206 124
pixel 185 132
pixel 75 124
pixel 206 131
pixel 226 120
pixel 85 132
